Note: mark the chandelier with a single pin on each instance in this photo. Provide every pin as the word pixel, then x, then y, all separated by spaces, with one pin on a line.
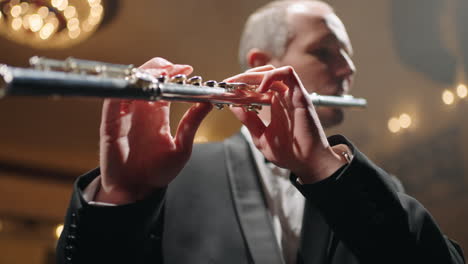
pixel 49 24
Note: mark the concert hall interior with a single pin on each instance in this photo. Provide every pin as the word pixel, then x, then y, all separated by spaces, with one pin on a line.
pixel 411 58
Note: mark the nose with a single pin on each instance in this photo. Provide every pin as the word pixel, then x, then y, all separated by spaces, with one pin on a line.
pixel 346 67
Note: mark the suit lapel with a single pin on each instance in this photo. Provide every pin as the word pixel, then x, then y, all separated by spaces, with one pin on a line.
pixel 249 203
pixel 315 237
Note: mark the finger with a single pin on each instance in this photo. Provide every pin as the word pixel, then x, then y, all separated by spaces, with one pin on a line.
pixel 156 62
pixel 266 80
pixel 281 120
pixel 171 70
pixel 180 69
pixel 285 75
pixel 113 110
pixel 251 121
pixel 157 72
pixel 307 127
pixel 189 125
pixel 261 68
pixel 253 78
pixel 151 119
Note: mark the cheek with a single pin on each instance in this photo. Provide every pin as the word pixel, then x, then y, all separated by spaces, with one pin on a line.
pixel 314 77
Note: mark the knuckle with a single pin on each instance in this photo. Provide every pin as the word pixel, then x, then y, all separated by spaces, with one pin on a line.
pixel 289 69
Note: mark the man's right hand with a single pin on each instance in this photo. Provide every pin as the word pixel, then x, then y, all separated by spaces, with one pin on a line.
pixel 138 154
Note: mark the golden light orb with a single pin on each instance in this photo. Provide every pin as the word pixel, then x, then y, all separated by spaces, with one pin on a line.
pixel 54 21
pixel 94 2
pixel 405 120
pixel 86 26
pixel 93 20
pixel 16 23
pixel 51 24
pixel 69 12
pixel 56 3
pixel 448 97
pixel 74 33
pixel 46 31
pixel 35 22
pixel 63 5
pixel 26 22
pixel 462 91
pixel 24 8
pixel 43 12
pixel 58 230
pixel 15 11
pixel 394 125
pixel 73 24
pixel 96 11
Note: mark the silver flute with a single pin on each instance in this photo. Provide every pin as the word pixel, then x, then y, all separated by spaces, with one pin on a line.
pixel 77 77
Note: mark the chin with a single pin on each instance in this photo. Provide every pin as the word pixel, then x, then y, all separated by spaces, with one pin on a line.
pixel 330 116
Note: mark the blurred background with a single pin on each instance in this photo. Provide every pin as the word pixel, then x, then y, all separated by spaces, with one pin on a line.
pixel 411 58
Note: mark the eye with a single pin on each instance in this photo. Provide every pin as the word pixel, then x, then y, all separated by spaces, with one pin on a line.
pixel 321 53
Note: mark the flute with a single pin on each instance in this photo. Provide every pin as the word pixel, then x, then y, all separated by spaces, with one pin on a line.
pixel 85 78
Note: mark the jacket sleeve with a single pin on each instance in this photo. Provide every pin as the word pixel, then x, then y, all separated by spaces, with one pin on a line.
pixel 378 223
pixel 128 233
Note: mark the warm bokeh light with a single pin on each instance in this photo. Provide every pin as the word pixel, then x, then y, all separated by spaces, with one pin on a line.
pixel 46 31
pixel 69 12
pixel 63 5
pixel 54 21
pixel 35 22
pixel 405 120
pixel 43 12
pixel 73 24
pixel 94 2
pixel 96 11
pixel 15 11
pixel 87 26
pixel 394 125
pixel 24 8
pixel 56 3
pixel 447 97
pixel 74 33
pixel 462 91
pixel 60 4
pixel 50 24
pixel 93 20
pixel 26 22
pixel 16 23
pixel 58 230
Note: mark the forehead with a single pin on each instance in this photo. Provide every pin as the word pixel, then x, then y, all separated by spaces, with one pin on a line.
pixel 316 21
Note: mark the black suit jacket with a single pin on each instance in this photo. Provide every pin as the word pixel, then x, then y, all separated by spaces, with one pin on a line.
pixel 214 212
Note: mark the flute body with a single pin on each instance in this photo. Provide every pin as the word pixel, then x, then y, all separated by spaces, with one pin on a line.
pixel 74 77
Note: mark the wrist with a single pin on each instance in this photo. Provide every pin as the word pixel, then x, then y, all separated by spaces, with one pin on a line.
pixel 337 156
pixel 120 196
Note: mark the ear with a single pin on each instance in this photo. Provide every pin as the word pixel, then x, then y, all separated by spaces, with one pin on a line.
pixel 256 58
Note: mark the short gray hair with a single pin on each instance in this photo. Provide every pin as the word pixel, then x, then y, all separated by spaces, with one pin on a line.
pixel 267 29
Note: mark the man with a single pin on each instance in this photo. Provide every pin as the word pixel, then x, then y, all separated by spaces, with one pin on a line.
pixel 147 204
pixel 307 36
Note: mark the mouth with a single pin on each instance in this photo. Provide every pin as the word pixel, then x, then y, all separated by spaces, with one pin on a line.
pixel 340 92
pixel 342 88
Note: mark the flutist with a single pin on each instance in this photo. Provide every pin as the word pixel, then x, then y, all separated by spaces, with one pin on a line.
pixel 278 192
